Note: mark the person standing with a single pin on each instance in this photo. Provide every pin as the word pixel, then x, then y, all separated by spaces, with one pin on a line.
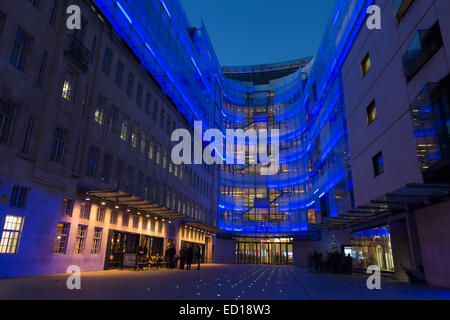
pixel 182 258
pixel 198 255
pixel 189 256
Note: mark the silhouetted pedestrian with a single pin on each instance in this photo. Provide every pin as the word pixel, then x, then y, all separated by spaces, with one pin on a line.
pixel 198 255
pixel 182 258
pixel 349 263
pixel 189 256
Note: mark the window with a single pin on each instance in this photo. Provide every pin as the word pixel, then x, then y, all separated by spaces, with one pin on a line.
pixel 2 21
pixel 378 165
pixel 69 86
pixel 58 147
pixel 92 162
pixel 130 175
pixel 107 167
pixel 125 220
pixel 112 119
pixel 143 142
pixel 151 149
pixel 28 134
pixel 19 197
pixel 371 112
pixel 148 101
pixel 114 217
pixel 424 45
pixel 97 241
pixel 365 65
pixel 101 214
pixel 7 114
pixel 85 211
pixel 158 154
pixel 161 119
pixel 124 129
pixel 168 122
pixel 165 159
pixel 400 8
pixel 134 136
pixel 130 85
pixel 54 11
pixel 155 112
pixel 11 235
pixel 144 223
pixel 62 234
pixel 35 3
pixel 80 240
pixel 67 207
pixel 99 110
pixel 107 61
pixel 119 73
pixel 139 93
pixel 40 78
pixel 21 50
pixel 135 222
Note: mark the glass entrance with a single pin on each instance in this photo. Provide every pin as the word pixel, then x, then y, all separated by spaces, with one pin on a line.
pixel 264 251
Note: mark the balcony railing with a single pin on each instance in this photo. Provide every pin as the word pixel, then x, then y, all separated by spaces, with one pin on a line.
pixel 78 51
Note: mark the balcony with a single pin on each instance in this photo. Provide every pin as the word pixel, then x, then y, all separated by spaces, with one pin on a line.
pixel 78 52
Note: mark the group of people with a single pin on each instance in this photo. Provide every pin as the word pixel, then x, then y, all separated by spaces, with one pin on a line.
pixel 185 257
pixel 330 262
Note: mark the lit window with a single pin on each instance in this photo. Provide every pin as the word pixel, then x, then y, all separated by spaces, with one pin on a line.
pixel 371 112
pixel 97 241
pixel 158 154
pixel 365 65
pixel 99 111
pixel 124 129
pixel 151 149
pixel 80 240
pixel 68 90
pixel 11 235
pixel 62 233
pixel 378 164
pixel 134 136
pixel 165 159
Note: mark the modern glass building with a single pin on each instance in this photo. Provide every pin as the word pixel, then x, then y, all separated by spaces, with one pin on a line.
pixel 302 99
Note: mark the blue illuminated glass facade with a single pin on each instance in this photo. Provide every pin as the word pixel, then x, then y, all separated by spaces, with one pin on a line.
pixel 307 106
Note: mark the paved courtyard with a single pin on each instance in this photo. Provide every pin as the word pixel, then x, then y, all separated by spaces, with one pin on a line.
pixel 230 282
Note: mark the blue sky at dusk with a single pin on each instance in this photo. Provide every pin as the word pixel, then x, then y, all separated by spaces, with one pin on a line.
pixel 246 32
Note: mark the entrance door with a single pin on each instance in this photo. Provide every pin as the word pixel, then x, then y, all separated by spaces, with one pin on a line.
pixel 264 252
